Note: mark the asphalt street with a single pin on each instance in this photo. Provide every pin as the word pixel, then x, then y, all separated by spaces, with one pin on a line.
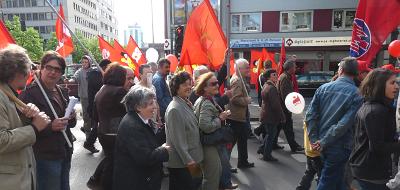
pixel 282 175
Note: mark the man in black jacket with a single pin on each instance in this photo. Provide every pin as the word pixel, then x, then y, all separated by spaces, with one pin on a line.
pixel 95 81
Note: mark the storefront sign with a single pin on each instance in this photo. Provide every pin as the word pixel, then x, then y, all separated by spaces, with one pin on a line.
pixel 256 43
pixel 318 41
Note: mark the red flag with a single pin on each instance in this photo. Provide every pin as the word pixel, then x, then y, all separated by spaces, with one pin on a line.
pixel 282 57
pixel 5 36
pixel 135 52
pixel 374 21
pixel 204 41
pixel 65 45
pixel 125 58
pixel 108 51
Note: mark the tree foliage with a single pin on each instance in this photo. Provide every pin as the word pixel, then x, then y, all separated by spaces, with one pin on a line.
pixel 29 39
pixel 51 43
pixel 91 44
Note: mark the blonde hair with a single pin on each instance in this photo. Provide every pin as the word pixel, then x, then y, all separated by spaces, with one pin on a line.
pixel 202 83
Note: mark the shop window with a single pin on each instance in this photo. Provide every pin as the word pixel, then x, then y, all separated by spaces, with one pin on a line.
pixel 294 21
pixel 246 23
pixel 343 19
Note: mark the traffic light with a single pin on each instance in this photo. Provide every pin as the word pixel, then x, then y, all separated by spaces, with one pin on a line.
pixel 179 31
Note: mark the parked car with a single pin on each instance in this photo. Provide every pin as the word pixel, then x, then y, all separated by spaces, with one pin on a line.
pixel 69 72
pixel 309 82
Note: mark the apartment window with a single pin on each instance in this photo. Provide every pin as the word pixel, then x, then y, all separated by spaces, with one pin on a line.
pixel 296 21
pixel 21 3
pixel 48 16
pixel 246 22
pixel 28 3
pixel 343 19
pixel 42 29
pixel 35 16
pixel 28 16
pixel 22 16
pixel 35 3
pixel 41 16
pixel 15 3
pixel 9 3
pixel 10 16
pixel 36 28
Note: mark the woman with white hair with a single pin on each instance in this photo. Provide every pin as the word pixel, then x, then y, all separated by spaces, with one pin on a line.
pixel 138 154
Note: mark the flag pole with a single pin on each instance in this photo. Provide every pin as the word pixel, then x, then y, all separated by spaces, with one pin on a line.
pixel 227 82
pixel 74 35
pixel 52 108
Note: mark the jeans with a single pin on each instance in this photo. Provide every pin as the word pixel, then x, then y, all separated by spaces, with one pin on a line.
pixel 365 185
pixel 288 130
pixel 240 131
pixel 269 139
pixel 53 174
pixel 314 166
pixel 225 179
pixel 332 175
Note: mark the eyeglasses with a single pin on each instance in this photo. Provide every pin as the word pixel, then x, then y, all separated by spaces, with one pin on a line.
pixel 53 69
pixel 215 83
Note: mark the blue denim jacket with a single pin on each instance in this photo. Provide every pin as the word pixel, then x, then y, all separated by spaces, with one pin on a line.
pixel 331 113
pixel 162 92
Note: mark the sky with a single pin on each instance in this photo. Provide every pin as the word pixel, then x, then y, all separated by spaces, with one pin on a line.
pixel 129 12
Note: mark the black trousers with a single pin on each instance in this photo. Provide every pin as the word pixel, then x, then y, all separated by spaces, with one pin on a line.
pixel 288 130
pixel 240 132
pixel 91 138
pixel 180 179
pixel 104 171
pixel 314 166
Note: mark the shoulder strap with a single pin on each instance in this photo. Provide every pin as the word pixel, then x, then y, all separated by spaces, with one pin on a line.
pixel 198 110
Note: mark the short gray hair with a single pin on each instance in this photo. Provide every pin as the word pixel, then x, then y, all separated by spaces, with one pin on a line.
pixel 13 59
pixel 137 97
pixel 198 71
pixel 240 62
pixel 288 65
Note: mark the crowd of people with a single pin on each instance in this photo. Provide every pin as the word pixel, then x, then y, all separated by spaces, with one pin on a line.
pixel 185 128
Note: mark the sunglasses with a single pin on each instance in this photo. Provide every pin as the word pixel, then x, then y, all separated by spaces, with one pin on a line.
pixel 215 83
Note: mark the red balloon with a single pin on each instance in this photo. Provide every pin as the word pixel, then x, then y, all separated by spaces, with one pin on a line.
pixel 394 48
pixel 174 62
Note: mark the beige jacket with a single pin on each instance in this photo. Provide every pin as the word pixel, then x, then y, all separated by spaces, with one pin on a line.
pixel 238 104
pixel 17 162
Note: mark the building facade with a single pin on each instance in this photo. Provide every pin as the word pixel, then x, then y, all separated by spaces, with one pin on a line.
pixel 88 17
pixel 319 34
pixel 137 34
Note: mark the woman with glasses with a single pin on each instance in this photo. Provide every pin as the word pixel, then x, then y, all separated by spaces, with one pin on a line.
pixel 52 153
pixel 211 117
